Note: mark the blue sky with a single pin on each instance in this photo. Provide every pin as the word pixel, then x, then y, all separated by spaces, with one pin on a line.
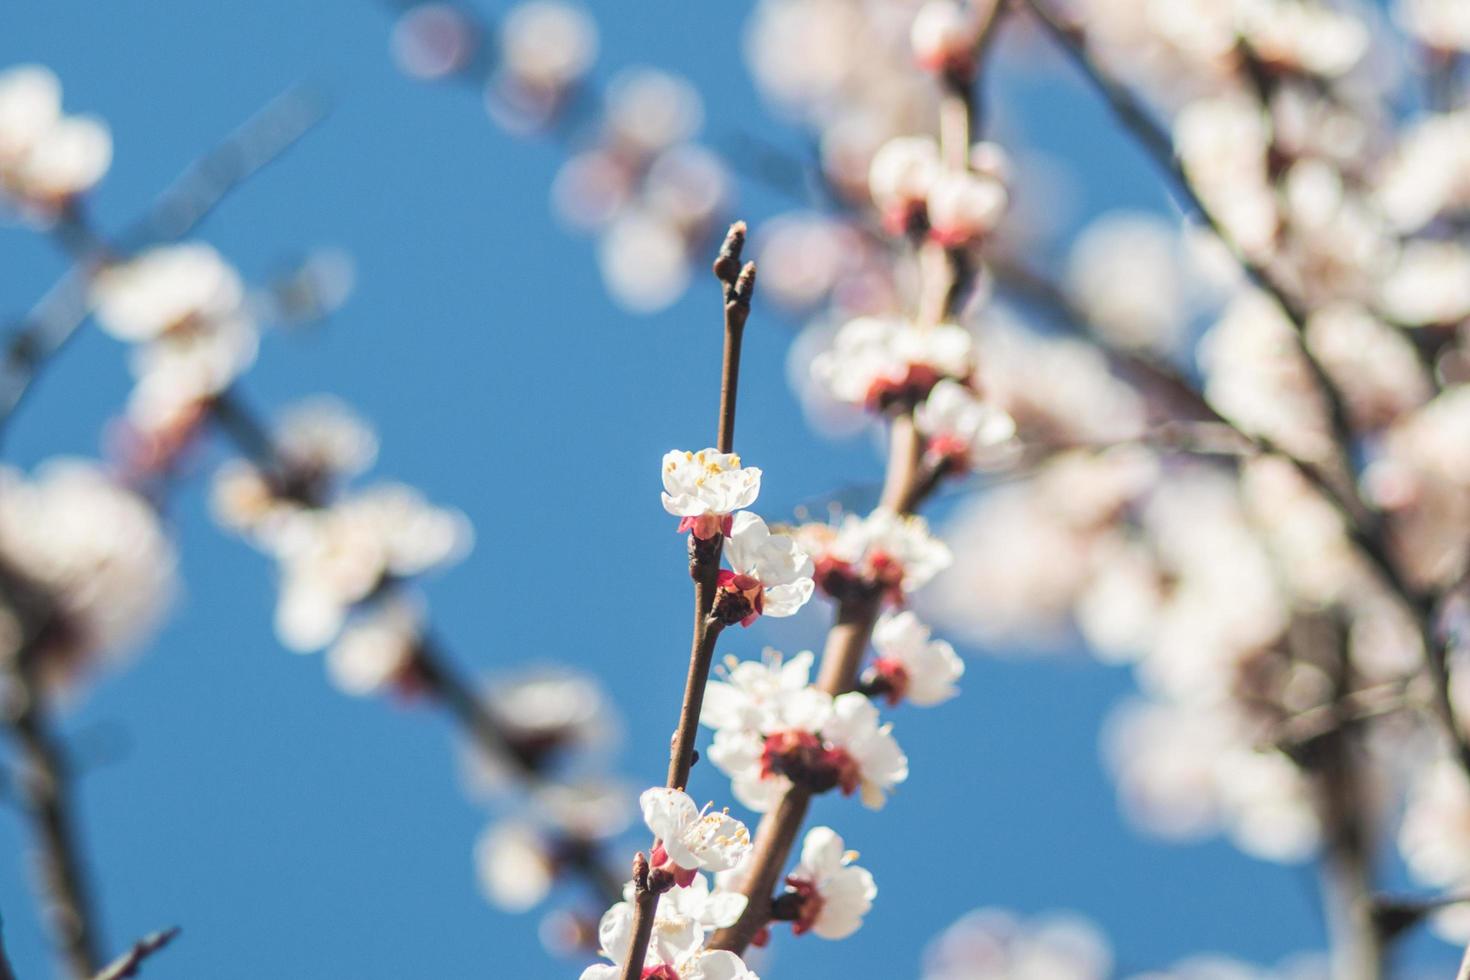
pixel 293 832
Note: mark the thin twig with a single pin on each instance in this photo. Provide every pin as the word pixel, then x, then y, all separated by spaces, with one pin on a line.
pixel 46 792
pixel 737 286
pixel 6 973
pixel 129 963
pixel 1137 119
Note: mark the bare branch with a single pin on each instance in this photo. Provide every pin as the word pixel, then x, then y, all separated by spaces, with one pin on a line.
pixel 129 963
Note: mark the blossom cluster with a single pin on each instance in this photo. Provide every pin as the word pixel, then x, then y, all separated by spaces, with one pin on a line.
pixel 638 180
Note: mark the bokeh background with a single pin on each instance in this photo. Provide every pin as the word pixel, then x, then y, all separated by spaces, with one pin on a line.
pixel 294 832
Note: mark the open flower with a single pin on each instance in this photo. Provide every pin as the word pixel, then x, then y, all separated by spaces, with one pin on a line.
pixel 962 430
pixel 705 488
pixel 826 894
pixel 755 693
pixel 878 362
pixel 810 738
pixel 675 949
pixel 690 839
pixel 890 552
pixel 771 575
pixel 877 764
pixel 910 666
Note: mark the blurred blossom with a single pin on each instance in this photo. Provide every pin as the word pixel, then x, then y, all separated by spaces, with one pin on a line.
pixel 47 158
pixel 1185 774
pixel 546 714
pixel 1375 366
pixel 1430 284
pixel 649 110
pixel 516 865
pixel 994 944
pixel 333 558
pixel 643 262
pixel 324 436
pixel 1302 36
pixel 1125 271
pixel 875 362
pixel 547 45
pixel 1422 479
pixel 96 560
pixel 1223 144
pixel 1442 24
pixel 182 309
pixel 1059 392
pixel 1428 172
pixel 377 650
pixel 432 41
pixel 586 809
pixel 1256 376
pixel 316 288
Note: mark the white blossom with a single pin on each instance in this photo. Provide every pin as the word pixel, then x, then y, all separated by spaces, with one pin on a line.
pixel 914 667
pixel 46 158
pixel 692 839
pixel 836 893
pixel 965 206
pixel 880 764
pixel 706 487
pixel 963 429
pixel 97 552
pixel 376 649
pixel 874 359
pixel 770 572
pixel 516 868
pixel 894 551
pixel 677 943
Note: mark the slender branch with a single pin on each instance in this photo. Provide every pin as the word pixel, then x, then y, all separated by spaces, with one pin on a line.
pixel 1357 946
pixel 945 277
pixel 46 797
pixel 129 963
pixel 6 973
pixel 737 286
pixel 1464 972
pixel 1137 119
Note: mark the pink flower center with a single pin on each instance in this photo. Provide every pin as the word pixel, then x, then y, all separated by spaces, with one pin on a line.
pixel 664 972
pixel 909 388
pixel 740 598
pixel 659 859
pixel 808 903
pixel 806 760
pixel 891 679
pixel 707 526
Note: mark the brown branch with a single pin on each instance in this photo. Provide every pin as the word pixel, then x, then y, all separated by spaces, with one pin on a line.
pixel 45 789
pixel 1136 118
pixel 129 963
pixel 737 286
pixel 6 973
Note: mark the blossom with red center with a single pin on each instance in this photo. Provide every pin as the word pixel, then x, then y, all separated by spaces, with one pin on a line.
pixel 826 894
pixel 881 362
pixel 885 552
pixel 690 839
pixel 962 432
pixel 770 574
pixel 704 489
pixel 946 34
pixel 899 179
pixel 911 666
